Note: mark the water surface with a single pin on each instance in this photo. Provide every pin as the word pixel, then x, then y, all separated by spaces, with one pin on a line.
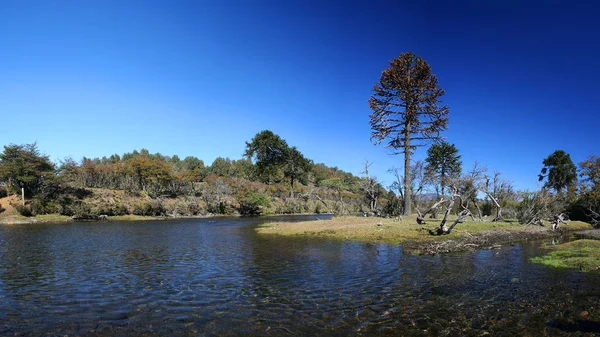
pixel 217 277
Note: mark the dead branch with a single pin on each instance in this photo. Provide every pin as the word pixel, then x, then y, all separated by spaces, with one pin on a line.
pixel 421 216
pixel 558 219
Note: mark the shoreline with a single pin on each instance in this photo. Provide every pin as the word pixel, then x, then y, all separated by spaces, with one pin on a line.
pixel 415 238
pixel 58 219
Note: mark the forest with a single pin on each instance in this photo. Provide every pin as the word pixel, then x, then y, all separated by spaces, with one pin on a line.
pixel 272 178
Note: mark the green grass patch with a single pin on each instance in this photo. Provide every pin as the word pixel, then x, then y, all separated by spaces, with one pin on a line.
pixel 52 218
pixel 582 255
pixel 370 229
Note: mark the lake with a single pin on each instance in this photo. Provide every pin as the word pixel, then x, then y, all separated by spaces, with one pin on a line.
pixel 205 277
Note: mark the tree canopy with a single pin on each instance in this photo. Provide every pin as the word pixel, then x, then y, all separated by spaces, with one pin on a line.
pixel 560 171
pixel 443 162
pixel 274 159
pixel 269 152
pixel 406 111
pixel 296 167
pixel 23 166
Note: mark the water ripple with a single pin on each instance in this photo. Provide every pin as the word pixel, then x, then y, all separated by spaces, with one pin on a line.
pixel 216 277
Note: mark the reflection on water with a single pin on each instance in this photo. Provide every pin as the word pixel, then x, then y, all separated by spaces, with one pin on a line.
pixel 216 277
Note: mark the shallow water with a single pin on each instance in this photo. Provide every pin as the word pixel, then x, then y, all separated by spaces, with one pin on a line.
pixel 217 277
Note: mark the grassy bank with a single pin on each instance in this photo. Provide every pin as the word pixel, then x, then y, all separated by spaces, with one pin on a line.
pixel 57 218
pixel 582 255
pixel 467 235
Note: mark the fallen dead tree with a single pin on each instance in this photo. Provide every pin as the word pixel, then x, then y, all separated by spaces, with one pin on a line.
pixel 443 228
pixel 421 216
pixel 537 207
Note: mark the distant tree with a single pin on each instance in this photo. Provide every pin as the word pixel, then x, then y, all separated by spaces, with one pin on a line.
pixel 590 189
pixel 268 151
pixel 242 168
pixel 393 205
pixel 193 168
pixel 152 175
pixel 296 167
pixel 590 173
pixel 69 171
pixel 320 173
pixel 405 110
pixel 253 203
pixel 560 171
pixel 23 166
pixel 443 163
pixel 220 167
pixel 192 163
pixel 338 186
pixel 371 188
pixel 115 158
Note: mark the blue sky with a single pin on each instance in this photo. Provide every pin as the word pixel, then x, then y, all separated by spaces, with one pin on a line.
pixel 93 78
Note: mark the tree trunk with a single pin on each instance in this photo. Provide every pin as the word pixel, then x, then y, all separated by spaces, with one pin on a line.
pixel 465 213
pixel 407 191
pixel 478 210
pixel 433 208
pixel 323 202
pixel 292 189
pixel 443 179
pixel 498 208
pixel 443 229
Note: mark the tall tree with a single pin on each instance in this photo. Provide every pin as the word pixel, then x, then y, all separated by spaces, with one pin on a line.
pixel 269 152
pixel 405 110
pixel 296 167
pixel 443 163
pixel 560 171
pixel 23 166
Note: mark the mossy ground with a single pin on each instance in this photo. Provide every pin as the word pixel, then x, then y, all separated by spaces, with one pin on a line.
pixel 582 255
pixel 470 234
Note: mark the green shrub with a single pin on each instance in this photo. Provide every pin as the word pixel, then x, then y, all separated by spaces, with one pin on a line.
pixel 24 210
pixel 109 209
pixel 44 207
pixel 254 203
pixel 184 208
pixel 149 209
pixel 81 210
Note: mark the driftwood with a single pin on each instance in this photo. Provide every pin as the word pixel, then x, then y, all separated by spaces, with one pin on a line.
pixel 90 217
pixel 461 217
pixel 443 229
pixel 421 216
pixel 557 220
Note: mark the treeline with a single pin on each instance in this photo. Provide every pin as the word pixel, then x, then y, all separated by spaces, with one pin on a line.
pixel 272 178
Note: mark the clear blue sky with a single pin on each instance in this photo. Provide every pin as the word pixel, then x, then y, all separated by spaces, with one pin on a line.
pixel 93 78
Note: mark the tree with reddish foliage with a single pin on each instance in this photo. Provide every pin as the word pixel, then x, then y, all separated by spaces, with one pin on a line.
pixel 406 112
